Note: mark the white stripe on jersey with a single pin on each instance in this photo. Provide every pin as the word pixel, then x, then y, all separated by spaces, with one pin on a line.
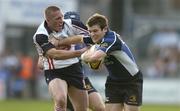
pixel 112 42
pixel 127 62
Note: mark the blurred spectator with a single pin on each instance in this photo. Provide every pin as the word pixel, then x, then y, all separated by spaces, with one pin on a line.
pixel 27 65
pixel 11 65
pixel 156 70
pixel 179 53
pixel 26 73
pixel 163 66
pixel 171 63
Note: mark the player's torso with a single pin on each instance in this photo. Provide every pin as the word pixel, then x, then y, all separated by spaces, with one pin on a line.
pixel 67 30
pixel 119 60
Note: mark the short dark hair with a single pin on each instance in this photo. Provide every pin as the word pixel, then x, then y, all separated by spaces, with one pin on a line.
pixel 97 19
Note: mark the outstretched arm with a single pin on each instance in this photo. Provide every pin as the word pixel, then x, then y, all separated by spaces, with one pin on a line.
pixel 71 40
pixel 49 50
pixel 67 41
pixel 64 54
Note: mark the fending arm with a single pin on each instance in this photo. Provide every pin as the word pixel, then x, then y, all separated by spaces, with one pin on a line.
pixel 64 54
pixel 71 40
pixel 90 56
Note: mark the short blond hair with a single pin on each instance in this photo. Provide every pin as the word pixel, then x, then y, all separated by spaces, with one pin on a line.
pixel 49 10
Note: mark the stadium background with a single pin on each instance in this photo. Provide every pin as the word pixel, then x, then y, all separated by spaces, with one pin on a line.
pixel 150 27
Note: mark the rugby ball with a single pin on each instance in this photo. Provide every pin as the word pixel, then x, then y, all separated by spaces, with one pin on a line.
pixel 95 65
pixel 92 65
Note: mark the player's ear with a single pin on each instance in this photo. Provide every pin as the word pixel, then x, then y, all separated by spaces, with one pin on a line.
pixel 46 17
pixel 105 29
pixel 47 20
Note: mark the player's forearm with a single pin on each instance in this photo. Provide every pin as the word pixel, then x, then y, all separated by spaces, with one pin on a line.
pixel 66 55
pixel 93 56
pixel 40 63
pixel 63 54
pixel 88 57
pixel 71 40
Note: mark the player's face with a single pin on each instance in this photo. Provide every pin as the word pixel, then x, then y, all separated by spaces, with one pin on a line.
pixel 97 33
pixel 55 22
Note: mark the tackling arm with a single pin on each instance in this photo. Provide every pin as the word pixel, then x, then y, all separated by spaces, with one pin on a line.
pixel 71 40
pixel 49 50
pixel 64 54
pixel 91 56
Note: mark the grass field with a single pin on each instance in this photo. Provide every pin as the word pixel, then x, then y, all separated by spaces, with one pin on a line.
pixel 37 105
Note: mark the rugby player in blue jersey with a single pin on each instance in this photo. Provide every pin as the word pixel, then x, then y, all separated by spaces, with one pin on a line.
pixel 124 84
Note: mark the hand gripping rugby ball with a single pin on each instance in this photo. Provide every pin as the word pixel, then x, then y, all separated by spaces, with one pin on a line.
pixel 92 65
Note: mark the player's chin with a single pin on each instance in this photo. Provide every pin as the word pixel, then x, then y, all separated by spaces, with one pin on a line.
pixel 95 39
pixel 58 28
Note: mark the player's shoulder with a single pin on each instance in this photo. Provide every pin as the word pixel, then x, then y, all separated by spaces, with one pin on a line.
pixel 40 33
pixel 67 21
pixel 110 33
pixel 72 22
pixel 41 29
pixel 78 24
pixel 112 36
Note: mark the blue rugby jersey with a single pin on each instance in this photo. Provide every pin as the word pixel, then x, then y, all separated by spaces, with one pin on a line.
pixel 119 60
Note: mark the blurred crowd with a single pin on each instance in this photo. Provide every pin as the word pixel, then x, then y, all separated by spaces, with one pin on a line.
pixel 164 54
pixel 19 72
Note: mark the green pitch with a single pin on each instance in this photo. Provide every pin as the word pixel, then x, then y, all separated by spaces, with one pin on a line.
pixel 26 105
pixel 37 105
pixel 160 108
